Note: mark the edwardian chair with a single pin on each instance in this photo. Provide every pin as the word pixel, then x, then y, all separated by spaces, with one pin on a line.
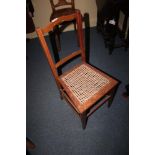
pixel 84 87
pixel 62 7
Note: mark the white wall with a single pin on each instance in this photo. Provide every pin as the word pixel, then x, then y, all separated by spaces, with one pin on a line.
pixel 42 12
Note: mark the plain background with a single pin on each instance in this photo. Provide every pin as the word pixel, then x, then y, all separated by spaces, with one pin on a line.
pixel 13 77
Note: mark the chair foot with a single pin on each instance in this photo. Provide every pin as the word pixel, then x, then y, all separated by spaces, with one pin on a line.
pixel 84 119
pixel 113 92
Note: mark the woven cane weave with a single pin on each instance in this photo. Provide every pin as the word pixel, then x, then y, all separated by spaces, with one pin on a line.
pixel 84 82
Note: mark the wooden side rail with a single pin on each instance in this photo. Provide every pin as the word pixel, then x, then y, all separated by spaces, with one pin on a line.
pixel 66 97
pixel 98 105
pixel 67 58
pixel 58 21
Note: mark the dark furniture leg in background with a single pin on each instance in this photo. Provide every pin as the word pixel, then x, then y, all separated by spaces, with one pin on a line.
pixel 111 11
pixel 55 49
pixel 87 35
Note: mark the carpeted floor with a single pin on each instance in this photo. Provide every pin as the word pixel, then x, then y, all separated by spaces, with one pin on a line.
pixel 51 123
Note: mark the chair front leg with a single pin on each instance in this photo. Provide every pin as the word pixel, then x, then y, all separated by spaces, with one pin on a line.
pixel 61 92
pixel 84 119
pixel 112 94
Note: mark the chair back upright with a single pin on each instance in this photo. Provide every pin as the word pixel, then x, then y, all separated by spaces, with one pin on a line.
pixel 50 27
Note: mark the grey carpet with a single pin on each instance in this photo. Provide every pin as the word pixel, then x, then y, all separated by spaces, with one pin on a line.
pixel 51 123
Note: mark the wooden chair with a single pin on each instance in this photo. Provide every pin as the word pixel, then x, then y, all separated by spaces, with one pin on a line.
pixel 29 144
pixel 57 12
pixel 84 87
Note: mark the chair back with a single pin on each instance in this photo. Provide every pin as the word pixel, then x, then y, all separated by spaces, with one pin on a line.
pixel 50 27
pixel 62 3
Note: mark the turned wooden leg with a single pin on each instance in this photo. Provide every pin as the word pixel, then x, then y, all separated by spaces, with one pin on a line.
pixel 113 92
pixel 84 120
